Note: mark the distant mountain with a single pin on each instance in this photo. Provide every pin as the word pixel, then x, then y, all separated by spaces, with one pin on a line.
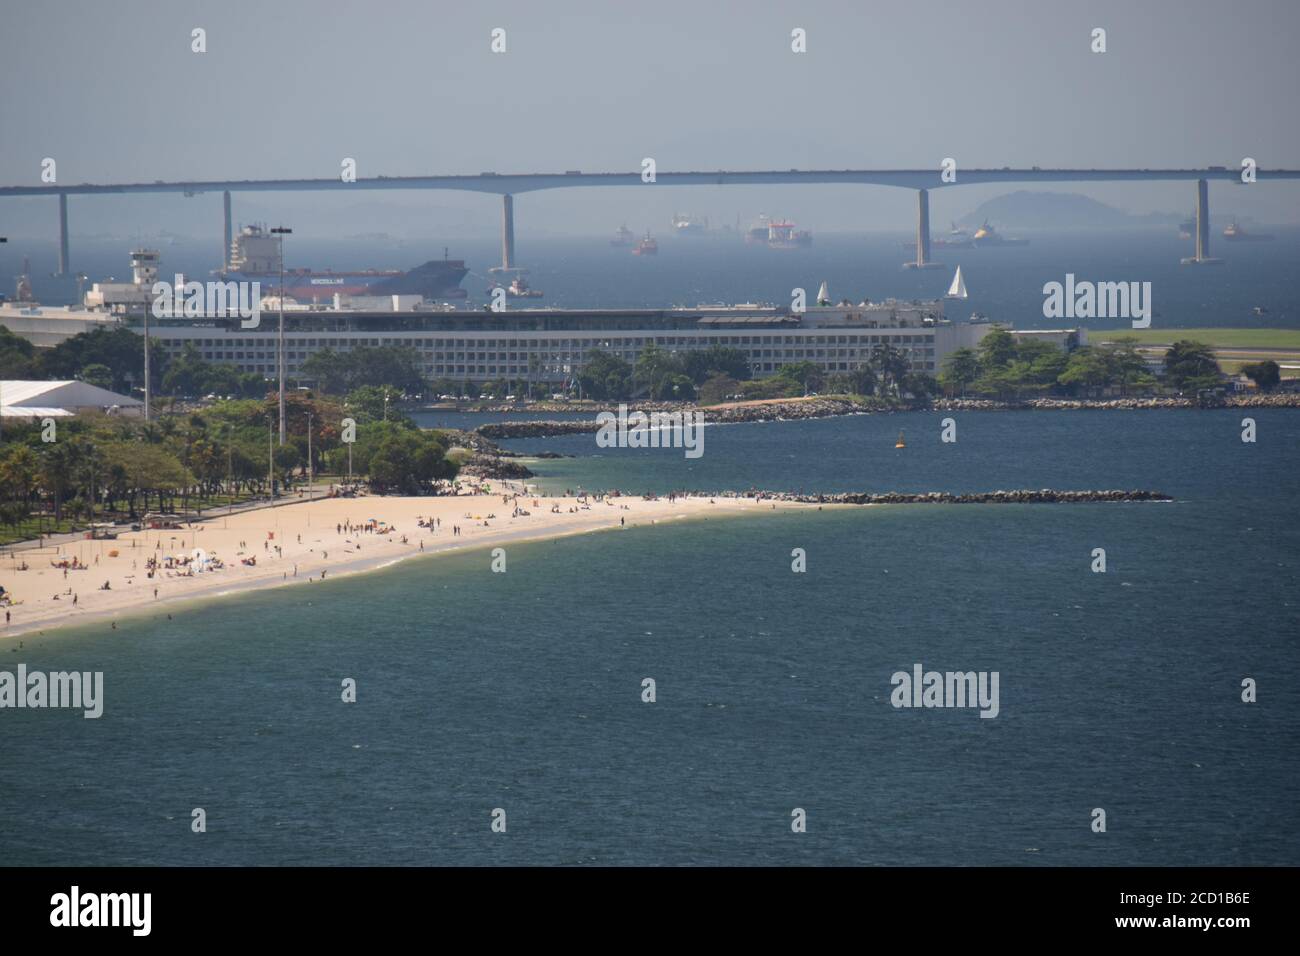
pixel 1035 210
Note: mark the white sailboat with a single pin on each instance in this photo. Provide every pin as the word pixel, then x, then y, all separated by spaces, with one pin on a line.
pixel 958 288
pixel 823 295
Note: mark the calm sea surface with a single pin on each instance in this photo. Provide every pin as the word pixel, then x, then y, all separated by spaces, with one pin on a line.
pixel 1004 283
pixel 523 690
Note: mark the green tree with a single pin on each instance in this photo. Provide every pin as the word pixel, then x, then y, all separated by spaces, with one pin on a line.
pixel 718 389
pixel 653 367
pixel 890 364
pixel 1266 375
pixel 996 349
pixel 604 376
pixel 960 369
pixel 1190 365
pixel 807 375
pixel 118 348
pixel 1088 368
pixel 16 356
pixel 676 388
pixel 1128 367
pixel 702 364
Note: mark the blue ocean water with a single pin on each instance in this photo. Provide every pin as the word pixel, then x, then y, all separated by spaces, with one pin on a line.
pixel 1004 283
pixel 522 690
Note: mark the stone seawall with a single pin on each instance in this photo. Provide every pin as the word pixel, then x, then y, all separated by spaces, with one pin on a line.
pixel 1042 496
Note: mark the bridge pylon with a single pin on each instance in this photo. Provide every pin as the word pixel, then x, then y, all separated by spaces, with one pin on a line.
pixel 507 237
pixel 922 260
pixel 1202 257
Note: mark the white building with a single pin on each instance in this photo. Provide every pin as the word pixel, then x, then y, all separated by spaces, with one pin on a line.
pixel 28 399
pixel 47 326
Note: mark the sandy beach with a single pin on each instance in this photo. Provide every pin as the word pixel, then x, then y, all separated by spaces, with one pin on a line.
pixel 304 542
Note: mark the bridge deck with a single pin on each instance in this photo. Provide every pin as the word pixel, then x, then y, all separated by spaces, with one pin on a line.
pixel 529 182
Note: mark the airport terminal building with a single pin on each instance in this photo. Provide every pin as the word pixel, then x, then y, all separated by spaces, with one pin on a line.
pixel 550 345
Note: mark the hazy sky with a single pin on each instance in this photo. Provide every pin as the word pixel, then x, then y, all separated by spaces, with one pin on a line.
pixel 112 91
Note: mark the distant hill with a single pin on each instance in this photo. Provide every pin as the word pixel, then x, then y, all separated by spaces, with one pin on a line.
pixel 1036 210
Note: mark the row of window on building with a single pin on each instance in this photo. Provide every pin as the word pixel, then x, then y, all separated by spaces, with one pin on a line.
pixel 559 361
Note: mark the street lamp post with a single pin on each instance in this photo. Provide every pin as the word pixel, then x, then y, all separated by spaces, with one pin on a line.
pixel 311 470
pixel 281 231
pixel 230 468
pixel 270 463
pixel 349 444
pixel 2 239
pixel 146 362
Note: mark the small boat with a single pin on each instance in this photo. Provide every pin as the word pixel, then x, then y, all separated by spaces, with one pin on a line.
pixel 958 288
pixel 646 247
pixel 900 443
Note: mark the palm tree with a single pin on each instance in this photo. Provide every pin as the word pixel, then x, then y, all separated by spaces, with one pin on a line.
pixel 890 364
pixel 18 473
pixel 534 366
pixel 56 474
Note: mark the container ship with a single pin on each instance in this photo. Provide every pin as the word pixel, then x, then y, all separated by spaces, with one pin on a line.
pixel 255 256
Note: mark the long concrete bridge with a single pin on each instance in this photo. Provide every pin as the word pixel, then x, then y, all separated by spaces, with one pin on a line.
pixel 507 185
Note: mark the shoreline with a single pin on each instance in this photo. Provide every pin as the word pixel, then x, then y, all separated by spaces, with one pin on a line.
pixel 811 408
pixel 323 553
pixel 174 585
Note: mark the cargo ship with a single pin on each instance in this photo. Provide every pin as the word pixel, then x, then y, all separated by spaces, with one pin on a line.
pixel 782 234
pixel 624 237
pixel 957 238
pixel 255 257
pixel 1234 233
pixel 986 235
pixel 777 234
pixel 689 225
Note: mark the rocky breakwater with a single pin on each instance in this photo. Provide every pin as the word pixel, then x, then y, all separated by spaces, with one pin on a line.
pixel 499 430
pixel 1267 400
pixel 1022 497
pixel 726 414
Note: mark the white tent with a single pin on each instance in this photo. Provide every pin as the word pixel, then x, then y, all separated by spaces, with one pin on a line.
pixel 27 399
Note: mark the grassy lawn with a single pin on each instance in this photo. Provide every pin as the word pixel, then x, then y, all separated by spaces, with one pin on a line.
pixel 1217 338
